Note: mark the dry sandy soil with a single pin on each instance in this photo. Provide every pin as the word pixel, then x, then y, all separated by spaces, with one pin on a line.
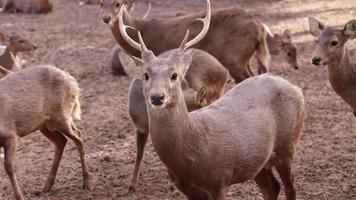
pixel 74 39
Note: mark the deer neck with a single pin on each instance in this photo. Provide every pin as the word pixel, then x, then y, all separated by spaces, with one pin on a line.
pixel 341 72
pixel 171 130
pixel 130 21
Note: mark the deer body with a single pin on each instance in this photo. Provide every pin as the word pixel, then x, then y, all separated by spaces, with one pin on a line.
pixel 234 36
pixel 209 149
pixel 205 73
pixel 40 98
pixel 331 51
pixel 28 6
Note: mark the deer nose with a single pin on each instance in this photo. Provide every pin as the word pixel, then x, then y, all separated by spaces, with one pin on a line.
pixel 157 99
pixel 316 61
pixel 106 19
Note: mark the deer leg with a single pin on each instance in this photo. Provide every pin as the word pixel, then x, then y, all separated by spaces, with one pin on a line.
pixel 68 129
pixel 59 142
pixel 141 140
pixel 268 184
pixel 285 172
pixel 10 159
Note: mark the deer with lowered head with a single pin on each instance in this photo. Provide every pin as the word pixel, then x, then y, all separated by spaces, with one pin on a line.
pixel 233 38
pixel 331 51
pixel 39 98
pixel 251 129
pixel 205 75
pixel 11 46
pixel 27 6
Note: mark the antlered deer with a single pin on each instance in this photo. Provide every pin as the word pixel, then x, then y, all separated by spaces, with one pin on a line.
pixel 331 51
pixel 12 46
pixel 39 98
pixel 255 126
pixel 233 38
pixel 27 6
pixel 205 75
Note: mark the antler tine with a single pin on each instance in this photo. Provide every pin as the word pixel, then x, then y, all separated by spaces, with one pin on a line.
pixel 143 49
pixel 205 29
pixel 123 28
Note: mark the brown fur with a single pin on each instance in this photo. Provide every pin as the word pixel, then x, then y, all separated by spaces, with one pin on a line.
pixel 242 34
pixel 14 45
pixel 39 98
pixel 206 75
pixel 341 70
pixel 28 6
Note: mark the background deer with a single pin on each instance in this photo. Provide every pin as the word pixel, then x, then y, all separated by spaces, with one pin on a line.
pixel 206 75
pixel 240 136
pixel 331 51
pixel 27 6
pixel 39 98
pixel 11 46
pixel 280 45
pixel 243 35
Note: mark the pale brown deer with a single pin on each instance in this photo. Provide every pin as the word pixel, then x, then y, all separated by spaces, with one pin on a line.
pixel 331 51
pixel 27 6
pixel 255 126
pixel 39 98
pixel 11 46
pixel 205 83
pixel 233 38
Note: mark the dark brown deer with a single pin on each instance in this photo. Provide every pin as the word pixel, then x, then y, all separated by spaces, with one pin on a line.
pixel 332 52
pixel 233 38
pixel 27 6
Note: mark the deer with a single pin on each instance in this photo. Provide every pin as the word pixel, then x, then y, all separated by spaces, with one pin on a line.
pixel 243 35
pixel 251 129
pixel 89 2
pixel 27 6
pixel 204 83
pixel 12 46
pixel 280 44
pixel 331 51
pixel 41 98
pixel 116 64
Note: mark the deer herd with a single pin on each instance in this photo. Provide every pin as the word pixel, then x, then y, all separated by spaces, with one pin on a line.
pixel 207 139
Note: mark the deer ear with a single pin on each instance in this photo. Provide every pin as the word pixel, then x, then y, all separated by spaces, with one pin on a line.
pixel 279 40
pixel 201 95
pixel 315 26
pixel 350 29
pixel 287 36
pixel 132 65
pixel 187 60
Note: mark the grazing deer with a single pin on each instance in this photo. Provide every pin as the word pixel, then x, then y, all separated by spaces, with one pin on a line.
pixel 255 126
pixel 39 98
pixel 89 2
pixel 27 6
pixel 234 35
pixel 205 75
pixel 331 51
pixel 12 46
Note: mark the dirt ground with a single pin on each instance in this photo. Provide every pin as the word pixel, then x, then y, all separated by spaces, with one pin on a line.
pixel 74 39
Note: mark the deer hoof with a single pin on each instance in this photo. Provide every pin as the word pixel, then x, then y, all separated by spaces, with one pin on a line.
pixel 131 190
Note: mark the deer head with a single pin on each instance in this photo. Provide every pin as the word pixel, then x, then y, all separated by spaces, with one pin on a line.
pixel 330 42
pixel 162 76
pixel 110 9
pixel 288 48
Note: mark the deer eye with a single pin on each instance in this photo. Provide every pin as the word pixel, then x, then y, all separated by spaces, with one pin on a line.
pixel 101 4
pixel 21 41
pixel 174 77
pixel 289 54
pixel 146 77
pixel 333 43
pixel 117 5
